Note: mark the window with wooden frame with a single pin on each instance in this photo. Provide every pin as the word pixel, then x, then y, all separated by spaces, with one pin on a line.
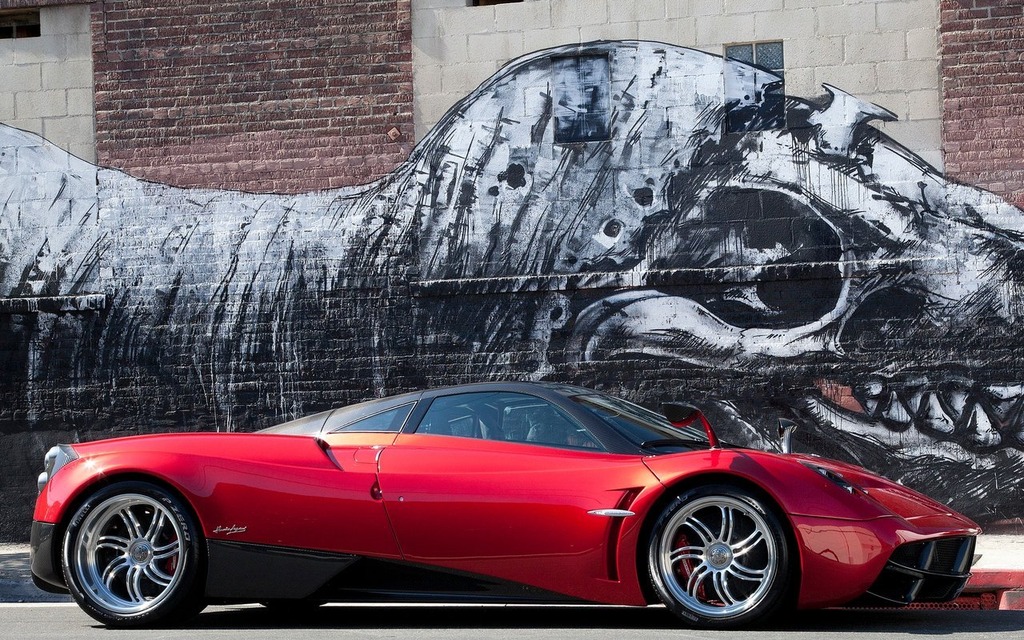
pixel 19 24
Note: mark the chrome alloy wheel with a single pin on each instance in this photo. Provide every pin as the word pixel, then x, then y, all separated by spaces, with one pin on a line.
pixel 127 554
pixel 717 557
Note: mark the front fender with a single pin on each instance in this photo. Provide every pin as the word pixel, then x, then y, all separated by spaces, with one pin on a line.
pixel 843 539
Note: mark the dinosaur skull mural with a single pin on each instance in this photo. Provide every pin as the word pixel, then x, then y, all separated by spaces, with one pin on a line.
pixel 631 215
pixel 812 266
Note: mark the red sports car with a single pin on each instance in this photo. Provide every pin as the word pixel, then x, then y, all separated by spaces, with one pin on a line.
pixel 489 492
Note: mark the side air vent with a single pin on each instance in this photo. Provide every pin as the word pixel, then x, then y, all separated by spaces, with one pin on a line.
pixel 929 571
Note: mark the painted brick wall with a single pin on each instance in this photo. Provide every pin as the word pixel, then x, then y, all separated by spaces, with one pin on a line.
pixel 983 93
pixel 818 272
pixel 279 96
pixel 885 51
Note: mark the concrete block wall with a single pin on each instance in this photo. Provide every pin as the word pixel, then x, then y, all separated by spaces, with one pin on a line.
pixel 278 96
pixel 883 51
pixel 983 93
pixel 49 81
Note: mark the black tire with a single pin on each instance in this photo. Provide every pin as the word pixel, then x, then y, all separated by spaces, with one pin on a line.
pixel 132 556
pixel 718 558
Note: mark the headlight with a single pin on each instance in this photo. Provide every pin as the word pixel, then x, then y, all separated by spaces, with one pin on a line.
pixel 55 458
pixel 836 478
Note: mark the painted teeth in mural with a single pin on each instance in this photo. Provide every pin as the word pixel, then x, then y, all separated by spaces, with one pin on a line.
pixel 628 215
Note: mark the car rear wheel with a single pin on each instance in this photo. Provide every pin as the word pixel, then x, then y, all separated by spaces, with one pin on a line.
pixel 718 557
pixel 132 556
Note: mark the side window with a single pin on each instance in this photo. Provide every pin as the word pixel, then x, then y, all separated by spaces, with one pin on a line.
pixel 511 417
pixel 389 420
pixel 542 423
pixel 467 415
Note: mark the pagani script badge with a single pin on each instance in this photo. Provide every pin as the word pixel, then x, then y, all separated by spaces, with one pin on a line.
pixel 233 529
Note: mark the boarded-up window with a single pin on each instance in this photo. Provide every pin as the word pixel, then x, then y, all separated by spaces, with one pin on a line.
pixel 581 98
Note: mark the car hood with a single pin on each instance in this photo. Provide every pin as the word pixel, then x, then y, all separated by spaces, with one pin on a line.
pixel 900 500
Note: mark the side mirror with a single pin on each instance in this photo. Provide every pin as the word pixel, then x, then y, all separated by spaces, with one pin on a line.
pixel 786 429
pixel 683 415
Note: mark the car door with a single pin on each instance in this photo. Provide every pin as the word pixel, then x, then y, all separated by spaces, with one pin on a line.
pixel 354 444
pixel 511 486
pixel 314 488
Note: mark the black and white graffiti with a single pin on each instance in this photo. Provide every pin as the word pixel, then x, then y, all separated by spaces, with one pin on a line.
pixel 585 215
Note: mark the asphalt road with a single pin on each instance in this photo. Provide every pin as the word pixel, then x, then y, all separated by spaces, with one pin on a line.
pixel 67 622
pixel 27 613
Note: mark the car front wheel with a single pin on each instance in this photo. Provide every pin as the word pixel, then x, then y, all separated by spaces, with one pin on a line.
pixel 132 556
pixel 718 558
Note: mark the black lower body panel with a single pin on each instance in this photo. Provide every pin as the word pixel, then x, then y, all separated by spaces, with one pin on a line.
pixel 253 572
pixel 46 572
pixel 245 571
pixel 372 580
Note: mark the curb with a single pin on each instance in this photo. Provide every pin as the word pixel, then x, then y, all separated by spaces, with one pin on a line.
pixel 992 589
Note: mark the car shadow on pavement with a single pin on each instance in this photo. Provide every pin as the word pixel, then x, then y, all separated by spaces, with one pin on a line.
pixel 932 622
pixel 16 581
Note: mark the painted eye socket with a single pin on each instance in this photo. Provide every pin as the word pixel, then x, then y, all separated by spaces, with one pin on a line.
pixel 612 228
pixel 644 196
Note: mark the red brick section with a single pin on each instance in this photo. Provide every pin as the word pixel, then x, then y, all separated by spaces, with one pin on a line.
pixel 982 44
pixel 277 96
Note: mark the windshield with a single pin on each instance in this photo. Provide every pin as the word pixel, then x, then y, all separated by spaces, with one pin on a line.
pixel 642 426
